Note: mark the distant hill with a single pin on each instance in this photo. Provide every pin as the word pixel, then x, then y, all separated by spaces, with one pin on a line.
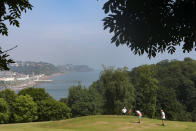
pixel 29 67
pixel 75 68
pixel 102 123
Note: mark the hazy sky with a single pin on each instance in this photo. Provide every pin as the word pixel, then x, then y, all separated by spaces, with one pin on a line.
pixel 71 32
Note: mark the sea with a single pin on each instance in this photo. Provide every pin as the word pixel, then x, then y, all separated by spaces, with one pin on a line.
pixel 59 86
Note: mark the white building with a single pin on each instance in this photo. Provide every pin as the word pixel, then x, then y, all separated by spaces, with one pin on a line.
pixel 7 79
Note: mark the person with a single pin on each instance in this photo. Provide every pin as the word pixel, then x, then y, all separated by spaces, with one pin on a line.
pixel 163 117
pixel 130 110
pixel 139 116
pixel 124 110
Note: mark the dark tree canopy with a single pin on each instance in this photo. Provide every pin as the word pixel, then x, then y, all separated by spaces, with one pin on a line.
pixel 4 61
pixel 10 12
pixel 152 26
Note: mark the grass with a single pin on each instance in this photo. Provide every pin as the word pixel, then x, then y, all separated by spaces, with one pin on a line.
pixel 101 123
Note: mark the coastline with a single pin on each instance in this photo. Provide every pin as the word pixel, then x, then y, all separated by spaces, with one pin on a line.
pixel 32 83
pixel 52 75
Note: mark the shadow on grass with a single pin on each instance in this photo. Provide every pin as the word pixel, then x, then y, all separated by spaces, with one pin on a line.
pixel 158 124
pixel 135 122
pixel 141 123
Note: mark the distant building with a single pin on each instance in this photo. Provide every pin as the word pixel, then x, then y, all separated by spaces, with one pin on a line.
pixel 7 79
pixel 23 78
pixel 14 64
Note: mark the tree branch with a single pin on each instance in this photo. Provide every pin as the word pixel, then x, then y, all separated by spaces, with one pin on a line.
pixel 8 50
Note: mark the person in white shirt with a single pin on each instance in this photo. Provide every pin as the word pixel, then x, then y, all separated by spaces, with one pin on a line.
pixel 139 115
pixel 163 117
pixel 124 110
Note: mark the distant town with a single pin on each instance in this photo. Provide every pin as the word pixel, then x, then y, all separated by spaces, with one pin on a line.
pixel 17 81
pixel 27 74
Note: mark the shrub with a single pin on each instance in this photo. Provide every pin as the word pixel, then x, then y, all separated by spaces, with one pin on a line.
pixel 37 94
pixel 4 111
pixel 24 109
pixel 51 109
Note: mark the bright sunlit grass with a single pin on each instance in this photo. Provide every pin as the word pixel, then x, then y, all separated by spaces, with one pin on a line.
pixel 101 123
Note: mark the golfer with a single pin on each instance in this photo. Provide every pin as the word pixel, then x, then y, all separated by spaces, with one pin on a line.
pixel 139 115
pixel 124 110
pixel 163 117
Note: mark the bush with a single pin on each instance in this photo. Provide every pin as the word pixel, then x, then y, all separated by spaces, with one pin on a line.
pixel 48 108
pixel 194 115
pixel 51 109
pixel 37 94
pixel 4 111
pixel 83 101
pixel 8 95
pixel 24 109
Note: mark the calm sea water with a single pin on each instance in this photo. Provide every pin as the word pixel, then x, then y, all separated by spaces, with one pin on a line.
pixel 59 86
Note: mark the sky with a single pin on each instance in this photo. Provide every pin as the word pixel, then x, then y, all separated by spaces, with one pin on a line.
pixel 71 32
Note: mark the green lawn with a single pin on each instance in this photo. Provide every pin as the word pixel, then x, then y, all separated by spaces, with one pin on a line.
pixel 101 123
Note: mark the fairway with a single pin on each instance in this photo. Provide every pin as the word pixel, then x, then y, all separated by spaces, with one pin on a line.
pixel 101 123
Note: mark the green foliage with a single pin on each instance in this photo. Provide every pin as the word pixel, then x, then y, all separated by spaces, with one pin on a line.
pixel 146 90
pixel 10 12
pixel 180 76
pixel 4 111
pixel 166 99
pixel 148 26
pixel 116 90
pixel 83 101
pixel 50 109
pixel 193 115
pixel 64 100
pixel 31 104
pixel 167 85
pixel 95 101
pixel 37 94
pixel 176 94
pixel 8 95
pixel 4 60
pixel 24 109
pixel 186 92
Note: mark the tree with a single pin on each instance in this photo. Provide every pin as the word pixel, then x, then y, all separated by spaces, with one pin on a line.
pixel 50 109
pixel 37 94
pixel 24 109
pixel 166 100
pixel 10 12
pixel 96 101
pixel 186 93
pixel 64 100
pixel 194 115
pixel 116 89
pixel 4 61
pixel 152 26
pixel 175 91
pixel 4 111
pixel 8 95
pixel 146 91
pixel 83 101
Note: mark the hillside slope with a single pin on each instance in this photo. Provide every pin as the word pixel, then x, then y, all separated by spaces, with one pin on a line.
pixel 101 123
